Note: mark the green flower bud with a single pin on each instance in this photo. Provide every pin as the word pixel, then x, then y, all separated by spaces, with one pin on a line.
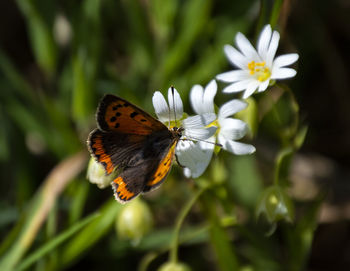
pixel 170 266
pixel 276 205
pixel 96 174
pixel 134 221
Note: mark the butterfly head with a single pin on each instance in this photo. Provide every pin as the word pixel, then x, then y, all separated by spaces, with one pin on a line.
pixel 177 132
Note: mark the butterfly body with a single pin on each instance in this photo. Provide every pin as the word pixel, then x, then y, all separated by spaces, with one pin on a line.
pixel 140 147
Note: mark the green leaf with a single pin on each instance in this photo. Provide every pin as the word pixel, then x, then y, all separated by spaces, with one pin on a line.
pixel 55 242
pixel 87 237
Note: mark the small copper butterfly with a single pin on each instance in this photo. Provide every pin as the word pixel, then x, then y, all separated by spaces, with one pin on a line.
pixel 131 140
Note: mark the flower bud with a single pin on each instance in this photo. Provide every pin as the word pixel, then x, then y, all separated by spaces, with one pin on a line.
pixel 275 204
pixel 170 266
pixel 134 221
pixel 96 174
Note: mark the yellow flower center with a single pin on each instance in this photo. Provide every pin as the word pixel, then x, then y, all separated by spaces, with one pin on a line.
pixel 259 70
pixel 216 124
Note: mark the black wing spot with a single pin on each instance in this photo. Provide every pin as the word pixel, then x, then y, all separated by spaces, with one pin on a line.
pixel 133 114
pixel 118 114
pixel 159 174
pixel 117 125
pixel 126 104
pixel 113 119
pixel 143 120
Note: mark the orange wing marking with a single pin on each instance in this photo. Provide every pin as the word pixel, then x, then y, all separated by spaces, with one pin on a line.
pixel 163 168
pixel 121 193
pixel 101 154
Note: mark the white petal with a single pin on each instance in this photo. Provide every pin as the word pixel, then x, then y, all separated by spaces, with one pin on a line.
pixel 198 121
pixel 233 76
pixel 202 160
pixel 199 133
pixel 232 129
pixel 208 98
pixel 246 47
pixel 235 57
pixel 160 106
pixel 196 99
pixel 285 60
pixel 231 107
pixel 186 154
pixel 251 89
pixel 272 48
pixel 263 86
pixel 283 73
pixel 264 41
pixel 176 111
pixel 238 86
pixel 236 147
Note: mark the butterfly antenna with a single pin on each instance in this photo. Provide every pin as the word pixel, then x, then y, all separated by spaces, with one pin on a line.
pixel 174 106
pixel 197 139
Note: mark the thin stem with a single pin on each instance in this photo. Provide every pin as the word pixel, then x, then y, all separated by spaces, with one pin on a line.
pixel 180 219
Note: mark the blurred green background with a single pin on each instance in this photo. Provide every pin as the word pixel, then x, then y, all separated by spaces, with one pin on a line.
pixel 58 58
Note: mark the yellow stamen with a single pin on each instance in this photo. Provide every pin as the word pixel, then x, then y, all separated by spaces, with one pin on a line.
pixel 260 70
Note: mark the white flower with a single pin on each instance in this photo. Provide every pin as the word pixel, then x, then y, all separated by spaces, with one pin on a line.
pixel 96 174
pixel 256 68
pixel 229 129
pixel 194 127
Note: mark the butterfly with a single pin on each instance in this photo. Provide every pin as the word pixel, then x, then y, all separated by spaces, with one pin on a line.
pixel 132 141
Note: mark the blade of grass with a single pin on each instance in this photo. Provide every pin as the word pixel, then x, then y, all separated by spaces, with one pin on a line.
pixel 49 246
pixel 40 206
pixel 91 234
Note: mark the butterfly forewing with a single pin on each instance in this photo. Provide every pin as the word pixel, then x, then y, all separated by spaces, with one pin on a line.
pixel 117 114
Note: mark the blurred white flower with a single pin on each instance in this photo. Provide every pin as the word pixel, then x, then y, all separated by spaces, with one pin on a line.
pixel 256 68
pixel 96 174
pixel 228 130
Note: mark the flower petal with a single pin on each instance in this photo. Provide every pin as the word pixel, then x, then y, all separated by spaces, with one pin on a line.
pixel 263 86
pixel 251 88
pixel 282 73
pixel 196 99
pixel 199 133
pixel 201 161
pixel 235 57
pixel 233 76
pixel 176 111
pixel 236 147
pixel 272 48
pixel 232 129
pixel 195 157
pixel 264 41
pixel 231 107
pixel 246 47
pixel 285 60
pixel 160 106
pixel 238 86
pixel 198 121
pixel 208 97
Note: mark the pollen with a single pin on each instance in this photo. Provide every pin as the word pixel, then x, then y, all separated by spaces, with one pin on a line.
pixel 259 70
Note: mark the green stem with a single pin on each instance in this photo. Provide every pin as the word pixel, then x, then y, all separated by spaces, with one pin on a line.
pixel 275 13
pixel 180 219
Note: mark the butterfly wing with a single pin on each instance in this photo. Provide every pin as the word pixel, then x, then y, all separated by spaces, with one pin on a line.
pixel 162 171
pixel 123 129
pixel 114 150
pixel 148 173
pixel 118 115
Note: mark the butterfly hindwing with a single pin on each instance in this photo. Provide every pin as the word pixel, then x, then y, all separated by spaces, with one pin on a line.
pixel 117 114
pixel 114 150
pixel 148 172
pixel 162 171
